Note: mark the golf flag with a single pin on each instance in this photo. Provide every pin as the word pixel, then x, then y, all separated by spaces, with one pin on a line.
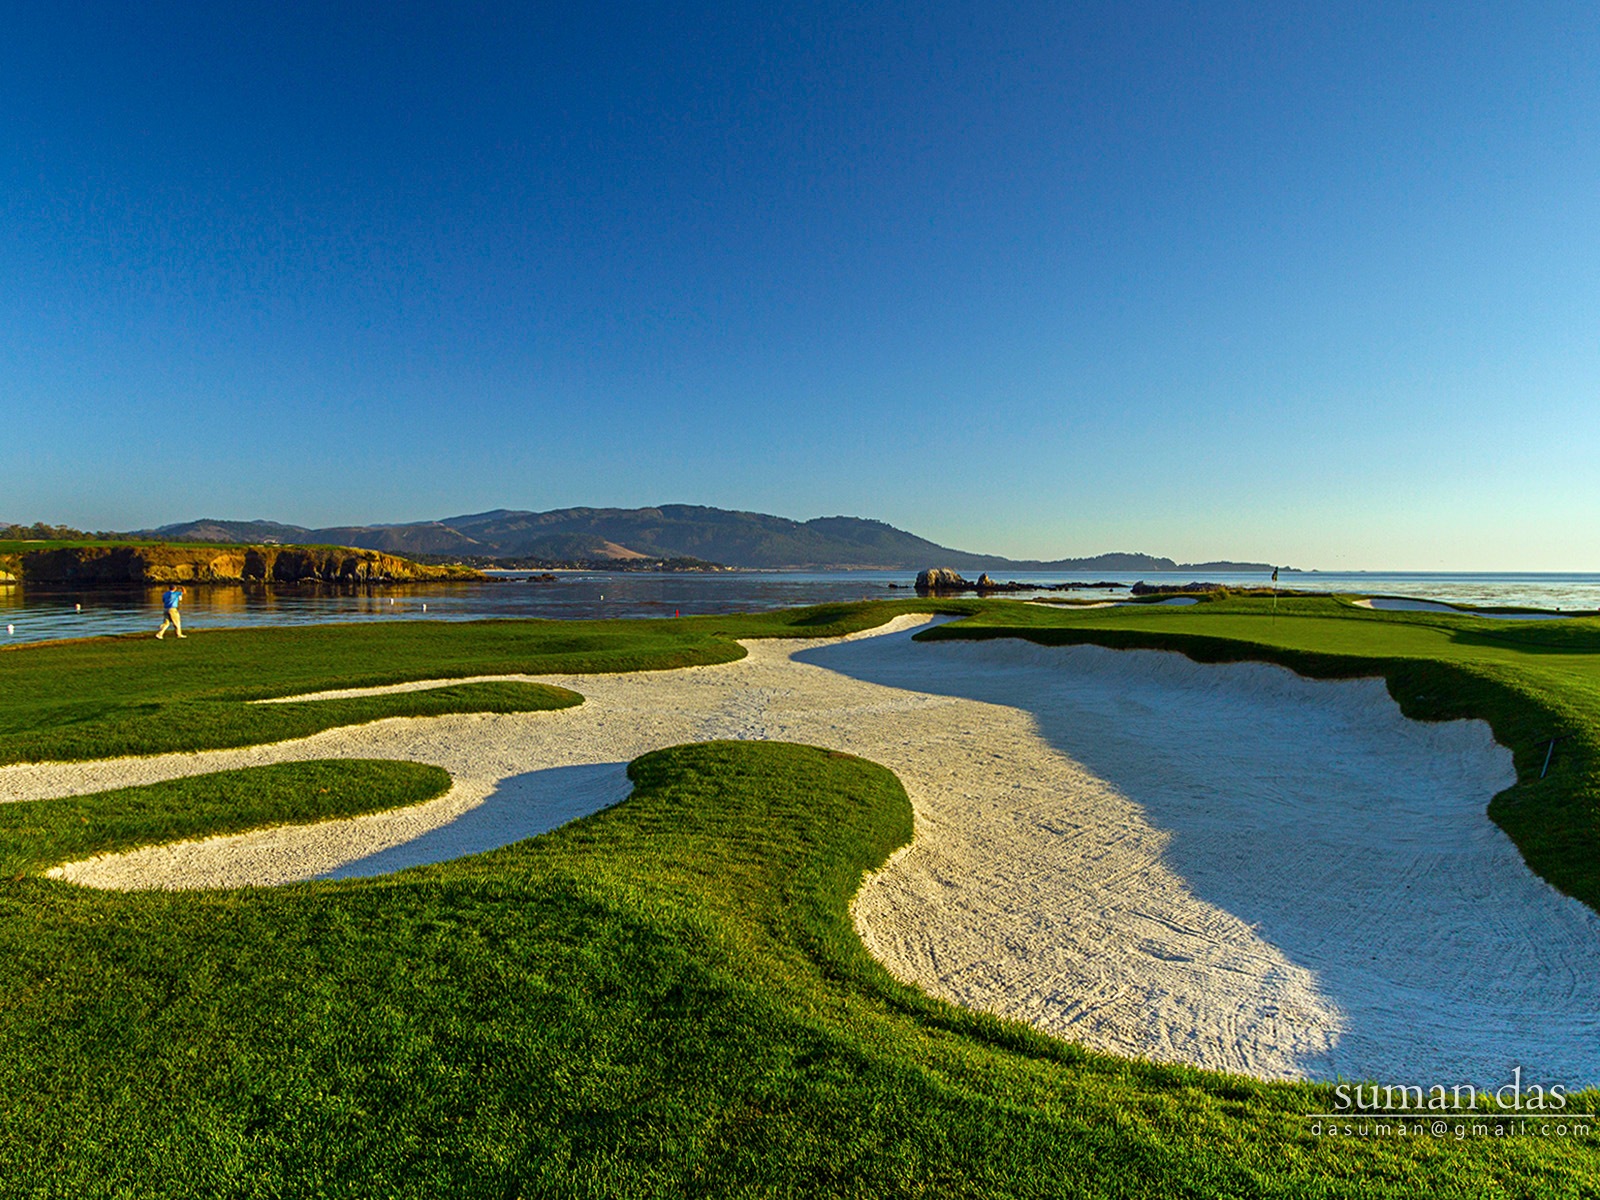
pixel 1274 574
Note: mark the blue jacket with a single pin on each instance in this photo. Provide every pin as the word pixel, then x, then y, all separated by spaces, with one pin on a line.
pixel 170 599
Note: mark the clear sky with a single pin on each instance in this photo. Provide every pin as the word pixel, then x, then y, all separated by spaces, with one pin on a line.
pixel 1316 284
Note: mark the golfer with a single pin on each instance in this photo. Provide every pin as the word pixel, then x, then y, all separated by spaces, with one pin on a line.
pixel 170 599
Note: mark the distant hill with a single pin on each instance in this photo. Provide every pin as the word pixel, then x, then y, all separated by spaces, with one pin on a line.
pixel 737 539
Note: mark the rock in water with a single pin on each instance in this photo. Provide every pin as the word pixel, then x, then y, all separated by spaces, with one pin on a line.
pixel 935 580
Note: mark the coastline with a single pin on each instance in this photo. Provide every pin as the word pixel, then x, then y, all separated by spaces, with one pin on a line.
pixel 97 565
pixel 41 612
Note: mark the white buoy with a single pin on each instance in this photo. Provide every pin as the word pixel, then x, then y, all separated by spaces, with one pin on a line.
pixel 10 629
pixel 424 608
pixel 79 607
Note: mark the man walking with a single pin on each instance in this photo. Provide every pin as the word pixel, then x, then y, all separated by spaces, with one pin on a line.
pixel 170 599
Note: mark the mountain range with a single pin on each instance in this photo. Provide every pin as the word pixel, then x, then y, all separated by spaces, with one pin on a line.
pixel 735 539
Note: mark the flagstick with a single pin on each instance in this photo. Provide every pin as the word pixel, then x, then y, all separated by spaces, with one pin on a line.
pixel 1274 597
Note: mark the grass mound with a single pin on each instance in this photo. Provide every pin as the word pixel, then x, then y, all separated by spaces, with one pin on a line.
pixel 97 729
pixel 664 999
pixel 39 834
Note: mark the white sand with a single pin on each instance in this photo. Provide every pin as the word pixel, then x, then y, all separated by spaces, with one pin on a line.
pixel 1397 604
pixel 1224 865
pixel 1071 606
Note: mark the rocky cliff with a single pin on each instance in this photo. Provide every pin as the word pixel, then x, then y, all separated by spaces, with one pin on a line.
pixel 97 566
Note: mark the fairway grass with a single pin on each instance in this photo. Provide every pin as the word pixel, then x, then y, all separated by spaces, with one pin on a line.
pixel 664 999
pixel 668 997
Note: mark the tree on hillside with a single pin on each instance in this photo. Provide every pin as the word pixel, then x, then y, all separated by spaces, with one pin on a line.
pixel 40 532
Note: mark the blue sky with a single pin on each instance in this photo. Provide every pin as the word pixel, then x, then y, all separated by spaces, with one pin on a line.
pixel 1316 284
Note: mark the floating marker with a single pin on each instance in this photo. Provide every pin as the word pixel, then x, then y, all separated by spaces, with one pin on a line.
pixel 79 607
pixel 424 608
pixel 10 629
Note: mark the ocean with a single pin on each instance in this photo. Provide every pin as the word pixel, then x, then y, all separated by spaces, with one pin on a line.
pixel 30 614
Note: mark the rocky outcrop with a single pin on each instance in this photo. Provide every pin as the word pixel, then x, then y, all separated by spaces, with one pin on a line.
pixel 943 581
pixel 10 568
pixel 934 581
pixel 109 565
pixel 1166 589
pixel 334 564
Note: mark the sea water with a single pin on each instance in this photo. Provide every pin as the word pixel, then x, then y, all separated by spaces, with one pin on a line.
pixel 37 614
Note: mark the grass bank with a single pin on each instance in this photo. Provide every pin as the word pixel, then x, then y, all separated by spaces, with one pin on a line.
pixel 38 835
pixel 665 999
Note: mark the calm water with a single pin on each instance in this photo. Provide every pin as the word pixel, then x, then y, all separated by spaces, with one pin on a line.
pixel 35 614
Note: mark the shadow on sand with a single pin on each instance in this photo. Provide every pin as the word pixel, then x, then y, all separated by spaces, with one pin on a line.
pixel 1353 840
pixel 521 806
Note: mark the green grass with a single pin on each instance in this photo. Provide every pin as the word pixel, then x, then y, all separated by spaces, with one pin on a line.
pixel 29 545
pixel 667 998
pixel 89 730
pixel 100 697
pixel 132 695
pixel 664 999
pixel 42 833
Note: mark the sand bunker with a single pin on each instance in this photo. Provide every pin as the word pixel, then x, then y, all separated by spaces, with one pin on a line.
pixel 1224 865
pixel 1399 604
pixel 1076 605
